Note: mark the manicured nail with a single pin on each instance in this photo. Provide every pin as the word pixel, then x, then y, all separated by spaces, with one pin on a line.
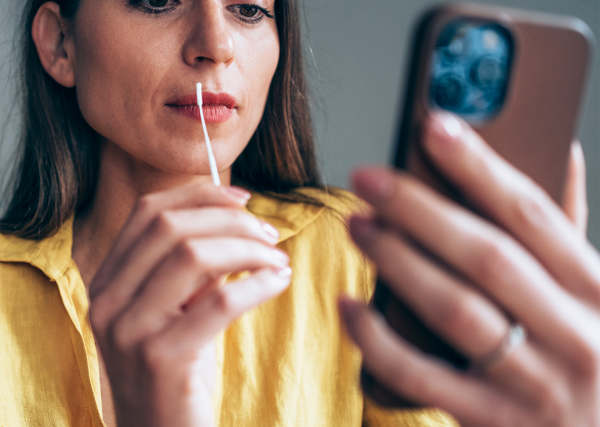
pixel 351 309
pixel 284 273
pixel 269 229
pixel 374 184
pixel 238 193
pixel 446 126
pixel 362 230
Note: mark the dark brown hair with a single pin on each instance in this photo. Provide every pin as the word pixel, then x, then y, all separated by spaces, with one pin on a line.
pixel 57 172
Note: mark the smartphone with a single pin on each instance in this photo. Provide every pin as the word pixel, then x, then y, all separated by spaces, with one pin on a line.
pixel 517 78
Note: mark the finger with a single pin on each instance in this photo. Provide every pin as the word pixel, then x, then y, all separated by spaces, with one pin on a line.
pixel 515 202
pixel 162 237
pixel 192 266
pixel 170 226
pixel 490 258
pixel 212 314
pixel 420 379
pixel 463 317
pixel 189 196
pixel 575 197
pixel 149 206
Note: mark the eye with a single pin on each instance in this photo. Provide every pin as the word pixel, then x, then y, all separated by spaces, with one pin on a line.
pixel 250 13
pixel 157 7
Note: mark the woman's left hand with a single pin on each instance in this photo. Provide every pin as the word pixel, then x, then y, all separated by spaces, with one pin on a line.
pixel 532 266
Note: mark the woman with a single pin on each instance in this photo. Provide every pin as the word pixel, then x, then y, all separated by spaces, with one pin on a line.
pixel 114 200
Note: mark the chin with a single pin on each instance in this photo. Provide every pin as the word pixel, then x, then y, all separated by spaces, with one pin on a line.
pixel 192 165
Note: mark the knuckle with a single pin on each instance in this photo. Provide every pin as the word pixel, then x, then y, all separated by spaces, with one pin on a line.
pixel 224 301
pixel 493 260
pixel 165 223
pixel 238 215
pixel 249 222
pixel 240 220
pixel 460 316
pixel 530 208
pixel 244 222
pixel 190 255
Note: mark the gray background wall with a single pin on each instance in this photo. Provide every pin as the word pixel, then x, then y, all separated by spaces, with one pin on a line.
pixel 356 52
pixel 9 117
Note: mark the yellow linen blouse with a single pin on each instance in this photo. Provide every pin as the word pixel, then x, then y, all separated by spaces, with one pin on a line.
pixel 287 363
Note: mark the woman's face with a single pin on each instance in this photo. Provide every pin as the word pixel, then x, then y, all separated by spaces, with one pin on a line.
pixel 137 63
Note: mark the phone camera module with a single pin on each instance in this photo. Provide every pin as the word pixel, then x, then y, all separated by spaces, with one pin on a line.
pixel 470 68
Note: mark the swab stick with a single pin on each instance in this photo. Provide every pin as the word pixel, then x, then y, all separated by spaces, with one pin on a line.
pixel 211 158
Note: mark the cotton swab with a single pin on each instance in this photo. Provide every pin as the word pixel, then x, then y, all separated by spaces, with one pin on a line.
pixel 211 158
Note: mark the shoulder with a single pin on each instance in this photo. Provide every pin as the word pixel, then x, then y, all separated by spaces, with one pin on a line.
pixel 305 208
pixel 24 272
pixel 51 255
pixel 314 233
pixel 337 199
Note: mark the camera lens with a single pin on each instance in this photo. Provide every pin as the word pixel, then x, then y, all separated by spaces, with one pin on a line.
pixel 487 72
pixel 448 91
pixel 454 43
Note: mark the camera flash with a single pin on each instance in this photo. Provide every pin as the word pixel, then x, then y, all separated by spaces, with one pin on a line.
pixel 490 40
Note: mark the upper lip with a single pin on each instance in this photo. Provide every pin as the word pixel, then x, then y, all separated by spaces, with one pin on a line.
pixel 208 99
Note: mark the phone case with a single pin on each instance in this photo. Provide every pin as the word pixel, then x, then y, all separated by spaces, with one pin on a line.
pixel 533 129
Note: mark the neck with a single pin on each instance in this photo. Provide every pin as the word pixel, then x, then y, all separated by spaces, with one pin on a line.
pixel 122 180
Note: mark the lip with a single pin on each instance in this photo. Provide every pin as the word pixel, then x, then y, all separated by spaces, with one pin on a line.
pixel 217 107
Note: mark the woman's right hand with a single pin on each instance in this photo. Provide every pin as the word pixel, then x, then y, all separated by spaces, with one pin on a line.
pixel 157 303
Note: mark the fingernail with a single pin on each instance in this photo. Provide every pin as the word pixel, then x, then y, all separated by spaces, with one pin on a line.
pixel 362 230
pixel 284 273
pixel 238 193
pixel 350 309
pixel 445 126
pixel 373 184
pixel 270 230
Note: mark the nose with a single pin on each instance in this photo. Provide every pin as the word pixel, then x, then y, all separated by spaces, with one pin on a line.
pixel 210 38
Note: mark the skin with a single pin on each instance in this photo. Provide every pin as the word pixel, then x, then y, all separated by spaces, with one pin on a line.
pixel 533 264
pixel 159 237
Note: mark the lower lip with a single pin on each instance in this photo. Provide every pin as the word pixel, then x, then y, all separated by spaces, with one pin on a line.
pixel 212 113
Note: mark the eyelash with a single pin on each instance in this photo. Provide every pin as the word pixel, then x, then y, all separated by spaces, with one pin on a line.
pixel 263 13
pixel 138 4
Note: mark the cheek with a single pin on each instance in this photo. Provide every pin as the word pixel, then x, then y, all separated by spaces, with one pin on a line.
pixel 260 57
pixel 116 70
